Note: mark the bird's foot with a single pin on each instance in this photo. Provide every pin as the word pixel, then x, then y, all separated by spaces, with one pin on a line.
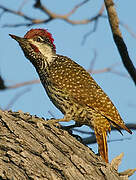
pixel 41 122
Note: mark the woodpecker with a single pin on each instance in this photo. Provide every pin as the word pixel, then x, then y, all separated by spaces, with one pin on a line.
pixel 71 88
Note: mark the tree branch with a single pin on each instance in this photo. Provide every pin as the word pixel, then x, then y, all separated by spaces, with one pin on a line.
pixel 117 36
pixel 30 149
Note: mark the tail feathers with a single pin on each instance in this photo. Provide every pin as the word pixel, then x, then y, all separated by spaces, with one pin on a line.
pixel 118 124
pixel 124 127
pixel 121 125
pixel 102 144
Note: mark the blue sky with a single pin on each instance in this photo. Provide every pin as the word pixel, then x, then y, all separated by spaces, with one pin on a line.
pixel 15 68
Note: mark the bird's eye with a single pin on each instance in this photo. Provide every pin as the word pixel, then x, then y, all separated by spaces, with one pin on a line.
pixel 39 39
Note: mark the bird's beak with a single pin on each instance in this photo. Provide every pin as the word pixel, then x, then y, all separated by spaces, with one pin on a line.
pixel 17 38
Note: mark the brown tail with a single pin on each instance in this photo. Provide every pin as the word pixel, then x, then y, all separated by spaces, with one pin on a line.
pixel 121 125
pixel 124 127
pixel 102 144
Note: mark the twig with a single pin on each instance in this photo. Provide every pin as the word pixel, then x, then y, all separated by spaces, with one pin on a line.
pixel 95 24
pixel 90 32
pixel 120 73
pixel 23 84
pixel 92 140
pixel 51 15
pixel 22 5
pixel 128 29
pixel 16 13
pixel 76 7
pixel 108 69
pixel 92 62
pixel 15 98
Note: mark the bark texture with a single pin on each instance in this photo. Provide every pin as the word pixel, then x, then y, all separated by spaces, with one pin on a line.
pixel 30 149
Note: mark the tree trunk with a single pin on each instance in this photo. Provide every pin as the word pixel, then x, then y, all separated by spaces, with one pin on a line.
pixel 30 149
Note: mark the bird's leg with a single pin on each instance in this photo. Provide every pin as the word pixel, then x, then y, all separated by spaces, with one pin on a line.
pixel 54 121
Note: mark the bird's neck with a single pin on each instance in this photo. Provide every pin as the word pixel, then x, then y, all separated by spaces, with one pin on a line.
pixel 43 66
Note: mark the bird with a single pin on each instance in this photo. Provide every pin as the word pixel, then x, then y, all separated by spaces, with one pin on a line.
pixel 71 88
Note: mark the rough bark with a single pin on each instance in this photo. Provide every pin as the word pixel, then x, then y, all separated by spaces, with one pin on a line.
pixel 30 149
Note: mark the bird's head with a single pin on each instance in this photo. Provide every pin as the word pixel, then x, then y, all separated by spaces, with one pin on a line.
pixel 37 44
